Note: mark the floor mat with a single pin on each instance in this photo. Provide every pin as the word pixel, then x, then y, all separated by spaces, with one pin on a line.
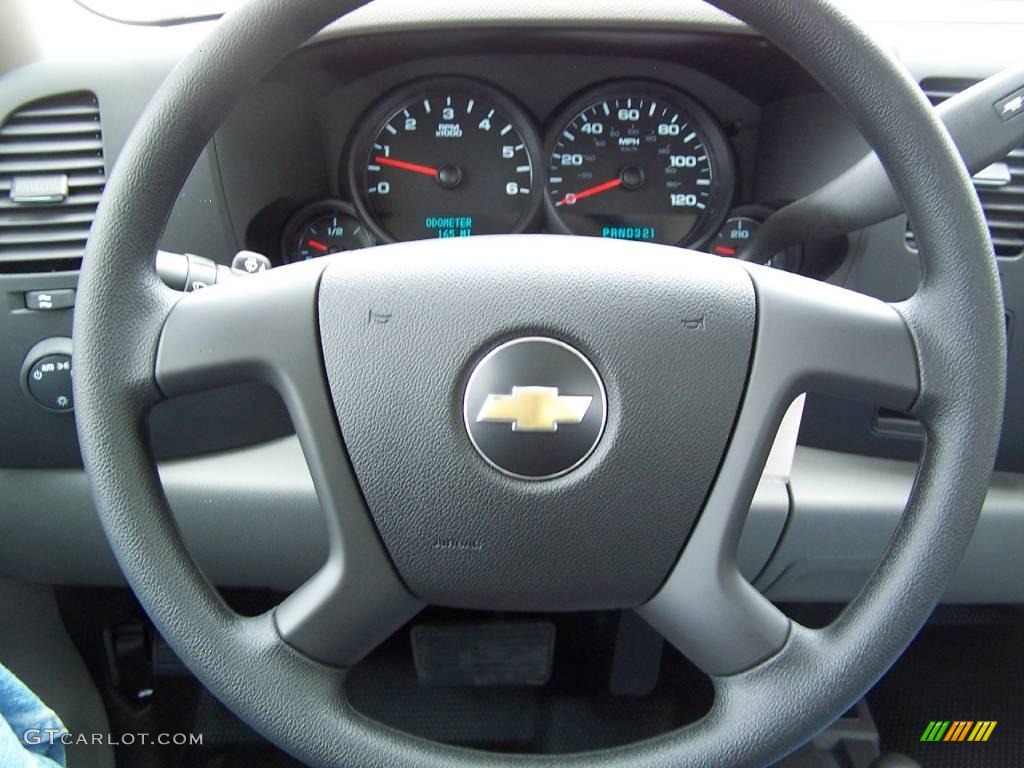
pixel 967 664
pixel 574 712
pixel 228 742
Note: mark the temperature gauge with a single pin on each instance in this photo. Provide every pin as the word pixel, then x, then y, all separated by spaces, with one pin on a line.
pixel 739 229
pixel 735 233
pixel 323 228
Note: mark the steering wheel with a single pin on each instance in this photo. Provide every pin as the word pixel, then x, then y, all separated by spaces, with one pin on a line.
pixel 384 361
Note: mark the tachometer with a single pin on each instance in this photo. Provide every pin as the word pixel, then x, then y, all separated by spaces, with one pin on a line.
pixel 446 158
pixel 636 161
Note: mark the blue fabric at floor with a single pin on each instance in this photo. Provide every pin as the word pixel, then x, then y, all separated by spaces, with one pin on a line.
pixel 29 730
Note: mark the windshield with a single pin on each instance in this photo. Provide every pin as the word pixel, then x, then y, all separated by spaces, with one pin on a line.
pixel 170 12
pixel 158 11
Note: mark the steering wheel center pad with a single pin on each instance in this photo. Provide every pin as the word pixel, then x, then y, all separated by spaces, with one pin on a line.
pixel 670 334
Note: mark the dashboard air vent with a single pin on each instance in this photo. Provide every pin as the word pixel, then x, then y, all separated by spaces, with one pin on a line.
pixel 51 178
pixel 1000 186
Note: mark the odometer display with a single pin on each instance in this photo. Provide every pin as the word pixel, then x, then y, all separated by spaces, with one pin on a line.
pixel 447 159
pixel 636 164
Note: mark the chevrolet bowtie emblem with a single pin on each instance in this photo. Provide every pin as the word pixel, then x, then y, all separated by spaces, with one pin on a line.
pixel 534 409
pixel 534 432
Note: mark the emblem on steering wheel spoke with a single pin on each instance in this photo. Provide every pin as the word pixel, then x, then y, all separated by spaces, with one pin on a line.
pixel 535 408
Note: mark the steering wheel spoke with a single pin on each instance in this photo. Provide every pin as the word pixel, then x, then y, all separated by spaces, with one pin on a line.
pixel 265 328
pixel 810 337
pixel 260 328
pixel 813 336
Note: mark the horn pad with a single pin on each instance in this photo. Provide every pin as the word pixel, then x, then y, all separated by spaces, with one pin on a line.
pixel 502 486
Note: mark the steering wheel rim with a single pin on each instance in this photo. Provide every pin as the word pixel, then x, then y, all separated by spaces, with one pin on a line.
pixel 953 327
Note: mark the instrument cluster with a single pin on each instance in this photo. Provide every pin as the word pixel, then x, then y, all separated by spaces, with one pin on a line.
pixel 456 157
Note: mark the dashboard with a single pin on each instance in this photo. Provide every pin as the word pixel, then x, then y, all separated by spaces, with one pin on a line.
pixel 456 157
pixel 412 121
pixel 643 142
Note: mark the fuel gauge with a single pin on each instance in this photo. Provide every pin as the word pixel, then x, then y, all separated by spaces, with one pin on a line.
pixel 323 228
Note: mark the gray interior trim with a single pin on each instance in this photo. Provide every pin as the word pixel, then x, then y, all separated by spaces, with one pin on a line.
pixel 766 520
pixel 845 509
pixel 982 35
pixel 35 646
pixel 264 490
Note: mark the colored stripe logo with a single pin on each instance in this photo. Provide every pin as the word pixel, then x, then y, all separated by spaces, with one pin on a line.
pixel 958 730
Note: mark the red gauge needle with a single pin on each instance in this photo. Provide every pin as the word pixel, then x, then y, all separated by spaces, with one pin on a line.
pixel 573 198
pixel 724 250
pixel 426 170
pixel 318 245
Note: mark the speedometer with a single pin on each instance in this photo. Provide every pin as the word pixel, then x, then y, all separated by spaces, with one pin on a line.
pixel 635 161
pixel 446 158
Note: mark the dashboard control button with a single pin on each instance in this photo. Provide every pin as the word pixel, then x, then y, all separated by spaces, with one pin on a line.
pixel 46 375
pixel 173 269
pixel 62 298
pixel 1010 106
pixel 249 263
pixel 49 382
pixel 202 273
pixel 188 272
